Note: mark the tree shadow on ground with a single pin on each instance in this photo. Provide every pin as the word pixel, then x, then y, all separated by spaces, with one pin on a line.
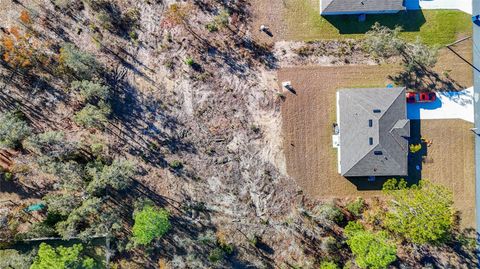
pixel 425 79
pixel 410 21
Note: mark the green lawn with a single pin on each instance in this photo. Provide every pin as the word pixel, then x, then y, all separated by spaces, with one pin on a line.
pixel 439 27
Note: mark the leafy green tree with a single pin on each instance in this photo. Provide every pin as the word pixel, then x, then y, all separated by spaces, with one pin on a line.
pixel 118 175
pixel 92 116
pixel 328 265
pixel 150 223
pixel 90 90
pixel 62 258
pixel 422 213
pixel 371 250
pixel 81 64
pixel 13 129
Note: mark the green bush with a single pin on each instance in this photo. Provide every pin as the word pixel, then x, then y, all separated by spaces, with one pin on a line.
pixel 92 116
pixel 150 223
pixel 222 18
pixel 329 212
pixel 211 27
pixel 62 257
pixel 190 61
pixel 176 164
pixel 356 207
pixel 414 148
pixel 13 129
pixel 216 255
pixel 90 90
pixel 328 265
pixel 371 250
pixel 82 65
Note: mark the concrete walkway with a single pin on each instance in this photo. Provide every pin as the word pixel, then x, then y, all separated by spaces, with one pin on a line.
pixel 449 105
pixel 463 5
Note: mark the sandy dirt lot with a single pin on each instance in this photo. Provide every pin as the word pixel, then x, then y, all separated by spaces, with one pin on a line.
pixel 309 112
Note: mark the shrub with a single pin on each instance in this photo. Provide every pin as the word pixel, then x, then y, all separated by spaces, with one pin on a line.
pixel 92 116
pixel 328 265
pixel 329 212
pixel 150 223
pixel 82 64
pixel 356 207
pixel 176 164
pixel 414 148
pixel 371 250
pixel 13 129
pixel 106 20
pixel 90 90
pixel 211 27
pixel 189 61
pixel 222 18
pixel 216 255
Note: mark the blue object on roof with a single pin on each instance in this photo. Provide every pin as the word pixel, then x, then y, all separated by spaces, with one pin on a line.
pixel 35 207
pixel 476 20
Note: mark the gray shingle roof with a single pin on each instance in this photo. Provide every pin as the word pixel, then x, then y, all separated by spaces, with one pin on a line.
pixel 360 6
pixel 379 150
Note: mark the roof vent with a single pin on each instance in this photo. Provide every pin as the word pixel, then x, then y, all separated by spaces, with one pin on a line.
pixel 378 152
pixel 370 140
pixel 370 123
pixel 376 110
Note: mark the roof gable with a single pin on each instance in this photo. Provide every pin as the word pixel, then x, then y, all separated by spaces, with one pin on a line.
pixel 373 132
pixel 349 6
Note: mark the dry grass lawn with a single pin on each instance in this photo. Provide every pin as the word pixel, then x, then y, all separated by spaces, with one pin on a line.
pixel 307 117
pixel 300 20
pixel 307 124
pixel 452 163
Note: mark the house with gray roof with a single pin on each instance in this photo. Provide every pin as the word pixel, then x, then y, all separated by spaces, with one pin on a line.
pixel 373 132
pixel 358 7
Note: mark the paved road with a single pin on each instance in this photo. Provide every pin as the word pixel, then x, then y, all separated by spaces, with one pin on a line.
pixel 476 97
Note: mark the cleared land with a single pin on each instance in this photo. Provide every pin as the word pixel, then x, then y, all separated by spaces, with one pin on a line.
pixel 308 115
pixel 300 20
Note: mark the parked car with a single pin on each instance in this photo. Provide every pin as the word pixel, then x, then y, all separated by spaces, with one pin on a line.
pixel 421 97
